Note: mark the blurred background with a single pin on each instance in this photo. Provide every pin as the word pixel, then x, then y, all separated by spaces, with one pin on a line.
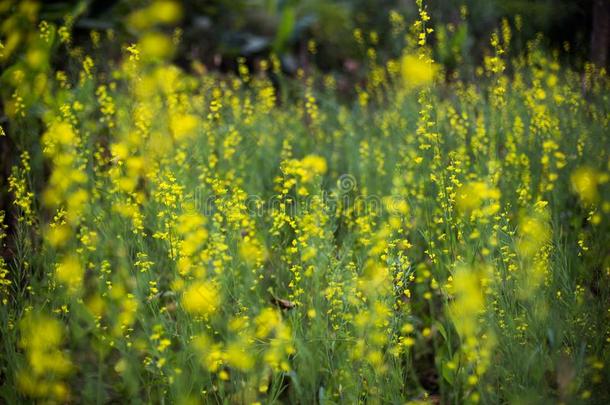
pixel 216 32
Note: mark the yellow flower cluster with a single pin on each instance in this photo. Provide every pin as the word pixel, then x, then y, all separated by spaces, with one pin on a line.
pixel 46 363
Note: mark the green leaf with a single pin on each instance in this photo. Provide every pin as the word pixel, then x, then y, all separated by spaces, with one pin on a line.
pixel 448 374
pixel 285 29
pixel 441 329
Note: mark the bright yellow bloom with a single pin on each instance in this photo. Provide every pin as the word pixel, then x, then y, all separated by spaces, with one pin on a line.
pixel 314 164
pixel 417 72
pixel 472 196
pixel 201 298
pixel 70 272
pixel 585 181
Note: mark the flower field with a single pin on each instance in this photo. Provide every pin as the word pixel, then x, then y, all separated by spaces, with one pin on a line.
pixel 177 235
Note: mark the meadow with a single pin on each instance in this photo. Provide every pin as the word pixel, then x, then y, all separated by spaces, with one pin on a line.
pixel 184 236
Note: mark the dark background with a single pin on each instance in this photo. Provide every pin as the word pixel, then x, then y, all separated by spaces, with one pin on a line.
pixel 216 32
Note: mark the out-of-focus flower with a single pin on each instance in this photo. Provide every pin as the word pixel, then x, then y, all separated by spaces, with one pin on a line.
pixel 201 298
pixel 417 72
pixel 585 181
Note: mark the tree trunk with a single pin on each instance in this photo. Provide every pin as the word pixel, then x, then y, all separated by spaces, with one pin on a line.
pixel 600 33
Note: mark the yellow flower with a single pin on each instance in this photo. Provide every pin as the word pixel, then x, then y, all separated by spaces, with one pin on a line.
pixel 58 133
pixel 238 356
pixel 183 126
pixel 155 46
pixel 471 197
pixel 314 164
pixel 469 301
pixel 252 251
pixel 534 233
pixel 416 72
pixel 201 298
pixel 166 12
pixel 159 12
pixel 585 181
pixel 70 272
pixel 41 337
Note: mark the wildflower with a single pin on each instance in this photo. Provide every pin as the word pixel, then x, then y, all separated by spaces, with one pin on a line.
pixel 5 281
pixel 313 165
pixel 585 181
pixel 534 233
pixel 469 301
pixel 252 251
pixel 238 356
pixel 201 298
pixel 155 46
pixel 70 272
pixel 163 12
pixel 417 72
pixel 17 184
pixel 47 364
pixel 471 198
